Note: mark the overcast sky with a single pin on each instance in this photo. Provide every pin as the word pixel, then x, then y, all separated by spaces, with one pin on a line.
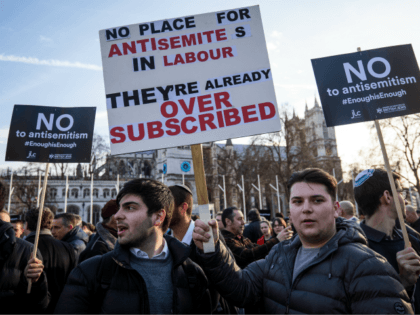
pixel 50 53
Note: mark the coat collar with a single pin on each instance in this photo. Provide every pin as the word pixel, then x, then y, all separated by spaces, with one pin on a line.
pixel 179 252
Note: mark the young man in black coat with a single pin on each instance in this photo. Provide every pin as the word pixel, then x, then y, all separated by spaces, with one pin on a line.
pixel 326 268
pixel 58 257
pixel 374 196
pixel 146 272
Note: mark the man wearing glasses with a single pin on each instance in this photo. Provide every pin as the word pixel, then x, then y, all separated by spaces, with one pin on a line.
pixel 373 194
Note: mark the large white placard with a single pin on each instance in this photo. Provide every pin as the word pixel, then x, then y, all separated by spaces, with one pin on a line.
pixel 188 80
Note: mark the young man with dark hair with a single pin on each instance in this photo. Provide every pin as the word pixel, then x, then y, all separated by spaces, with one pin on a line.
pixel 147 272
pixel 103 241
pixel 374 196
pixel 18 225
pixel 181 223
pixel 65 228
pixel 59 257
pixel 253 230
pixel 326 268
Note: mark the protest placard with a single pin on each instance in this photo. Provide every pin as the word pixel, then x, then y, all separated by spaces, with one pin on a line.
pixel 368 85
pixel 50 134
pixel 188 80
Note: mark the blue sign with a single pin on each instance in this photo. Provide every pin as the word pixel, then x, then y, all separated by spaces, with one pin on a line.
pixel 185 166
pixel 165 168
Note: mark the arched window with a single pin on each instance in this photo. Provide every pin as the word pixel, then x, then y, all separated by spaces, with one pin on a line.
pixel 96 214
pixel 313 132
pixel 73 209
pixel 95 192
pixel 113 193
pixel 106 192
pixel 63 193
pixel 86 192
pixel 53 192
pixel 75 192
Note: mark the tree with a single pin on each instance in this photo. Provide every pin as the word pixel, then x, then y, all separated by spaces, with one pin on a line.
pixel 402 136
pixel 287 151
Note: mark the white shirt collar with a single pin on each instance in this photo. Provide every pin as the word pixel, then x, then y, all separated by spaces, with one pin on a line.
pixel 140 254
pixel 187 239
pixel 188 236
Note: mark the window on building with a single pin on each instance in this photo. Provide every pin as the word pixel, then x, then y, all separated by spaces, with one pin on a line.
pixel 95 192
pixel 113 193
pixel 86 192
pixel 53 192
pixel 106 193
pixel 75 192
pixel 63 193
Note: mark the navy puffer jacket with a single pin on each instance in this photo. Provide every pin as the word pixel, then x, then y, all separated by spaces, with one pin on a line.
pixel 346 277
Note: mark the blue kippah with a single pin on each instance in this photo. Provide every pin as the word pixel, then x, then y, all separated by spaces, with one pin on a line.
pixel 363 176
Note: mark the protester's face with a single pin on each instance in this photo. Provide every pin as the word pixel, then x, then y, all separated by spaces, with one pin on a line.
pixel 277 227
pixel 58 229
pixel 402 203
pixel 220 222
pixel 313 213
pixel 5 217
pixel 18 227
pixel 265 229
pixel 238 224
pixel 135 227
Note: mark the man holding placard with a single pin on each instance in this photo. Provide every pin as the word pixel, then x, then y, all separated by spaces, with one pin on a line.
pixel 147 272
pixel 326 268
pixel 372 191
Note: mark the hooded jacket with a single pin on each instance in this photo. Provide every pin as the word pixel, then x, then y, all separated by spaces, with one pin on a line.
pixel 14 256
pixel 78 239
pixel 345 277
pixel 101 243
pixel 127 292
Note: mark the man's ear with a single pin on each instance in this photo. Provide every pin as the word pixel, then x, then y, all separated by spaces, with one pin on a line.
pixel 71 226
pixel 337 210
pixel 160 217
pixel 387 197
pixel 184 208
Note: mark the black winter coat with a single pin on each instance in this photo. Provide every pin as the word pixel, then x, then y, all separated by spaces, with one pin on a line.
pixel 14 256
pixel 253 231
pixel 101 243
pixel 78 239
pixel 127 293
pixel 59 260
pixel 345 277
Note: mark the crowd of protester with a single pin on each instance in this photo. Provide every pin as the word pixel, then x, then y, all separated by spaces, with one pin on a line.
pixel 147 255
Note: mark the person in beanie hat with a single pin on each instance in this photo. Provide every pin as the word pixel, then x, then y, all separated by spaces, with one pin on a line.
pixel 106 233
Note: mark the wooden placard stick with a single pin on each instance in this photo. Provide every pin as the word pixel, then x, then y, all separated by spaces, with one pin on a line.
pixel 38 225
pixel 202 196
pixel 393 188
pixel 66 192
pixel 10 191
